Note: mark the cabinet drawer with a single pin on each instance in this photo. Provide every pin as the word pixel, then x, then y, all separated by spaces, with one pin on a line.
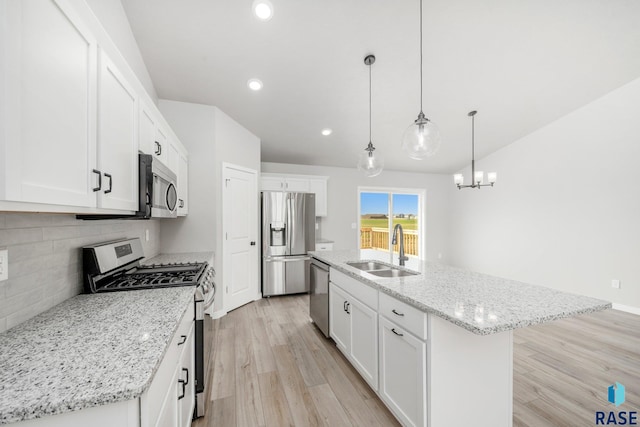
pixel 324 246
pixel 365 293
pixel 410 318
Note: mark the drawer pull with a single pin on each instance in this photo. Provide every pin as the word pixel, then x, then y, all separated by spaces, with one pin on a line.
pixel 397 333
pixel 184 339
pixel 396 313
pixel 186 371
pixel 183 383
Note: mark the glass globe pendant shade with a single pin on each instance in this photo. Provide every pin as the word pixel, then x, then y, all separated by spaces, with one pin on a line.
pixel 370 164
pixel 421 139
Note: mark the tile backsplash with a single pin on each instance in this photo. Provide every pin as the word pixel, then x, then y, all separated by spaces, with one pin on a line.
pixel 45 258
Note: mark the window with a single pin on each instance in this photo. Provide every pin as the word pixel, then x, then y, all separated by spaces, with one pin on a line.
pixel 380 210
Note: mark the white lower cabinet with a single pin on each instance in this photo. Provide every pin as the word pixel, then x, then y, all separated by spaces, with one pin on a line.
pixel 354 328
pixel 403 379
pixel 170 399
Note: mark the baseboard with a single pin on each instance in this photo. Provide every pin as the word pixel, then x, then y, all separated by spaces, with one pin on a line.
pixel 218 314
pixel 626 308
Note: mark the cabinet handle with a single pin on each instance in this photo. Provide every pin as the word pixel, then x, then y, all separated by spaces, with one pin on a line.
pixel 252 243
pixel 184 339
pixel 183 388
pixel 158 148
pixel 99 187
pixel 181 203
pixel 186 371
pixel 107 175
pixel 348 308
pixel 396 313
pixel 397 333
pixel 286 185
pixel 344 306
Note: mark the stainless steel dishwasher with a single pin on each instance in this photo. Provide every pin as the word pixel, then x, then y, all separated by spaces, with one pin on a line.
pixel 319 295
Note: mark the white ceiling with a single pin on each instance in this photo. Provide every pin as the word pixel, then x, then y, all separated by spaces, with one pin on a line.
pixel 521 64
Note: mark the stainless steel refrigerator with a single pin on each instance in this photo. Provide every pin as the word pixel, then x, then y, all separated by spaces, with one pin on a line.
pixel 288 233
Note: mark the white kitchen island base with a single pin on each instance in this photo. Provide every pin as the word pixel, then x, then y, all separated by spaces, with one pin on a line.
pixel 469 377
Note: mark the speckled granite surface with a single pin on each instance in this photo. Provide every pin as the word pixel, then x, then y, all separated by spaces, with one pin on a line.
pixel 480 303
pixel 183 257
pixel 90 350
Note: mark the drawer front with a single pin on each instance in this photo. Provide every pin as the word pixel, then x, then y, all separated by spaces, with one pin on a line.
pixel 410 318
pixel 365 293
pixel 324 246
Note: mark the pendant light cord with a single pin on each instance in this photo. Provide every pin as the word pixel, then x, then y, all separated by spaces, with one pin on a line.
pixel 421 56
pixel 369 102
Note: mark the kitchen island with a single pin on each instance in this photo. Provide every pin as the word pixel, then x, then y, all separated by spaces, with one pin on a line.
pixel 437 346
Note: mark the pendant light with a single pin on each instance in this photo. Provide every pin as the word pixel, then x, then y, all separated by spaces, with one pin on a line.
pixel 369 163
pixel 477 178
pixel 422 137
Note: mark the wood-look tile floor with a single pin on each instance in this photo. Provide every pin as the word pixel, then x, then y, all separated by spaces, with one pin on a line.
pixel 269 366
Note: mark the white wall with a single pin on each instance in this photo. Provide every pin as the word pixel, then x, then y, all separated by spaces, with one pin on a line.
pixel 212 138
pixel 113 18
pixel 565 211
pixel 342 200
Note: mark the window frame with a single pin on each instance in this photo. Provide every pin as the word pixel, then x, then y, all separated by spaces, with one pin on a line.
pixel 390 191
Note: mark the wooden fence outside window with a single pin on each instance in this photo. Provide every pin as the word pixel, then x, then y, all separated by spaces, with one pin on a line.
pixel 378 238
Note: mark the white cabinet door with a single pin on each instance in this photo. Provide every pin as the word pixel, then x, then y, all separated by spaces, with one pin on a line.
pixel 148 127
pixel 187 396
pixel 364 340
pixel 296 184
pixel 403 378
pixel 173 156
pixel 48 85
pixel 319 188
pixel 339 321
pixel 169 412
pixel 271 184
pixel 117 139
pixel 183 185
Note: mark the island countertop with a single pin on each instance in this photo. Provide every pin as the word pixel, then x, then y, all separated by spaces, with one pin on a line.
pixel 480 303
pixel 90 350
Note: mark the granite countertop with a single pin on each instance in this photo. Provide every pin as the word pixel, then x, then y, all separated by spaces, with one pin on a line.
pixel 480 303
pixel 91 349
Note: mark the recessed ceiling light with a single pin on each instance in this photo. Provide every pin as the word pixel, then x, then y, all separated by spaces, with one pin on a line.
pixel 263 9
pixel 326 131
pixel 254 84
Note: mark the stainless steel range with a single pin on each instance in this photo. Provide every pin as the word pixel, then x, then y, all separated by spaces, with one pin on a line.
pixel 115 266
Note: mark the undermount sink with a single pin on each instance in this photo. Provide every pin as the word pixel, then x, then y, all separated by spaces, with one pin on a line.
pixel 392 273
pixel 368 265
pixel 380 269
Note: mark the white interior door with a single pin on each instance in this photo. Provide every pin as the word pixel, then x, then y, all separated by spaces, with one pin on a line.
pixel 240 228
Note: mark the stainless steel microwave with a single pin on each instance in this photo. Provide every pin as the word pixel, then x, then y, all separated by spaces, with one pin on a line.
pixel 157 193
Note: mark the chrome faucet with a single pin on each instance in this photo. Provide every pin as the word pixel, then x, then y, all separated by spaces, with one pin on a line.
pixel 394 239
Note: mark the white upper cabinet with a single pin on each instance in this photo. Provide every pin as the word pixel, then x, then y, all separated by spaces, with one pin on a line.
pixel 48 96
pixel 183 184
pixel 299 183
pixel 71 116
pixel 117 138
